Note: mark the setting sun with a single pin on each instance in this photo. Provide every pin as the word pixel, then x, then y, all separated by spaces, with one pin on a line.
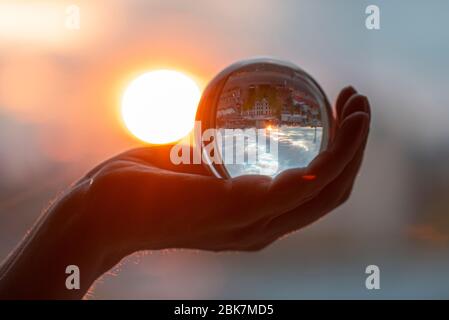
pixel 159 106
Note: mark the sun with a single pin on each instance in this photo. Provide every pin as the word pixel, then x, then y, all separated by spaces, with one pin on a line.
pixel 159 106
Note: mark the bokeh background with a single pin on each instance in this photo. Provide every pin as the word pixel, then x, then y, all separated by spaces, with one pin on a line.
pixel 59 99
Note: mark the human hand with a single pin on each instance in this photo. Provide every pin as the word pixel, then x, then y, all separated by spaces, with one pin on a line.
pixel 139 200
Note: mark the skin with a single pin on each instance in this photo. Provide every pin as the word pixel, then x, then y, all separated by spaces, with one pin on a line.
pixel 139 200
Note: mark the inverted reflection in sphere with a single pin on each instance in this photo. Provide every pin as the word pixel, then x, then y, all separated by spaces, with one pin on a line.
pixel 270 116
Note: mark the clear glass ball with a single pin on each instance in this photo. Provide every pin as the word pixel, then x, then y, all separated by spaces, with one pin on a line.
pixel 263 116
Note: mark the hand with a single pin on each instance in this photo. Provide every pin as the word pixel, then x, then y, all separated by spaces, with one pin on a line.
pixel 139 200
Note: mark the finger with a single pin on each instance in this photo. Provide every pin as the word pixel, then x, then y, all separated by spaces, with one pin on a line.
pixel 340 186
pixel 246 199
pixel 356 103
pixel 358 165
pixel 122 155
pixel 329 164
pixel 366 108
pixel 249 198
pixel 343 97
pixel 328 199
pixel 156 156
pixel 295 186
pixel 161 156
pixel 332 196
pixel 352 103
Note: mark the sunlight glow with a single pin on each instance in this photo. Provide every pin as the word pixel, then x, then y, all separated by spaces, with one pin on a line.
pixel 159 106
pixel 33 22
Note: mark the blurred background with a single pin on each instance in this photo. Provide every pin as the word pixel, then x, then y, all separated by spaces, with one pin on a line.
pixel 59 99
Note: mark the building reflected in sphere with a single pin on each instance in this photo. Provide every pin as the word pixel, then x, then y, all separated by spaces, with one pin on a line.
pixel 270 116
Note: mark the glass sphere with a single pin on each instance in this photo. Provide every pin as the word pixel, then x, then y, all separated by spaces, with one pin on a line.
pixel 263 116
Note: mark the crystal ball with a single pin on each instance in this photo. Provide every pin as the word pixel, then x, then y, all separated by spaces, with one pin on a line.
pixel 262 116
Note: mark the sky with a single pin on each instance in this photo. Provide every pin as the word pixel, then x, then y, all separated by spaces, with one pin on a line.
pixel 58 80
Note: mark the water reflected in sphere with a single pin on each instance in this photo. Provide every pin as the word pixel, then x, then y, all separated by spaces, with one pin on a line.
pixel 269 116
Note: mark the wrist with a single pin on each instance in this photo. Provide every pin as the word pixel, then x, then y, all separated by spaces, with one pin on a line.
pixel 61 238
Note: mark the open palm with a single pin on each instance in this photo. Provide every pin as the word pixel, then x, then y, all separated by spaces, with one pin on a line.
pixel 147 202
